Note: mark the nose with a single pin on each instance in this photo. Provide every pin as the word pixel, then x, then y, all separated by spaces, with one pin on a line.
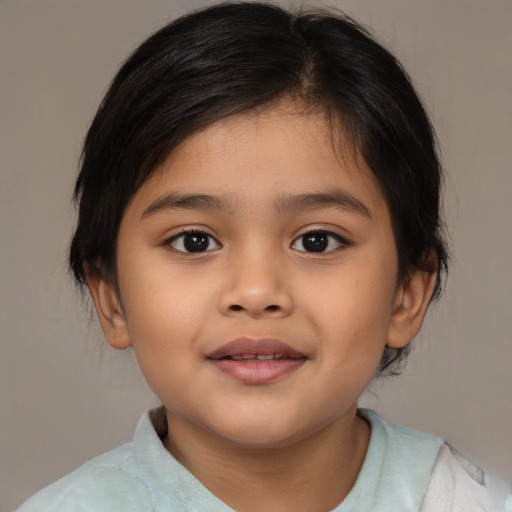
pixel 256 287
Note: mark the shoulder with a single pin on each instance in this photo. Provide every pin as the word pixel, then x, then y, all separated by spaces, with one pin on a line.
pixel 404 448
pixel 458 485
pixel 409 470
pixel 396 469
pixel 108 482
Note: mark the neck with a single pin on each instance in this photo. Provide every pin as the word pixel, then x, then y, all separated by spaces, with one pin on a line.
pixel 313 474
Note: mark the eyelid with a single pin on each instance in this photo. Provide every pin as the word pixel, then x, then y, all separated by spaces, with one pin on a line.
pixel 342 241
pixel 191 231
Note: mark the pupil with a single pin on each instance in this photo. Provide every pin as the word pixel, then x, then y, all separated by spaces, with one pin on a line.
pixel 196 242
pixel 315 242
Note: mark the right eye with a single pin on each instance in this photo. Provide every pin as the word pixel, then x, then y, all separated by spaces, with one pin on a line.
pixel 193 241
pixel 319 241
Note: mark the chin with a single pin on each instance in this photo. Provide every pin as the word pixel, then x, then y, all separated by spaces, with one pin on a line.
pixel 262 435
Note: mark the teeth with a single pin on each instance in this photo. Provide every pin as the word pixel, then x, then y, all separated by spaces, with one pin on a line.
pixel 259 357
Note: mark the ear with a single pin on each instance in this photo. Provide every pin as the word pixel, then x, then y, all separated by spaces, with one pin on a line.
pixel 410 305
pixel 108 307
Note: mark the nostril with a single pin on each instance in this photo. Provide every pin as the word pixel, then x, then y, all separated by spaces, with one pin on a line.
pixel 269 309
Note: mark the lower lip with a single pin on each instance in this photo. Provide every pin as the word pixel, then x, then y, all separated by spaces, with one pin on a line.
pixel 257 372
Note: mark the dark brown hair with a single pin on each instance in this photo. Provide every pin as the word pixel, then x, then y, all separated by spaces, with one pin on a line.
pixel 234 57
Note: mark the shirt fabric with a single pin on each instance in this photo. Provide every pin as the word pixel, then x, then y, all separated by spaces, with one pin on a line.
pixel 404 471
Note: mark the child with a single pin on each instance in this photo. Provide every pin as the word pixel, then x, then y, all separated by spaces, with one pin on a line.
pixel 259 220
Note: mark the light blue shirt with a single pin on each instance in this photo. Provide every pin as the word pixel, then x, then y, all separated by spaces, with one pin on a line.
pixel 143 476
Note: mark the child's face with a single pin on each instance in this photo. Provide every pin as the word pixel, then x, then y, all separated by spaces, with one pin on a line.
pixel 254 238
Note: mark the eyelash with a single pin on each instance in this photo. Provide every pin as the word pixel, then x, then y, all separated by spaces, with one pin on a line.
pixel 181 237
pixel 324 242
pixel 324 237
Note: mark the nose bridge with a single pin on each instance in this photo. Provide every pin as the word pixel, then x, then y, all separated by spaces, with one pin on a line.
pixel 257 283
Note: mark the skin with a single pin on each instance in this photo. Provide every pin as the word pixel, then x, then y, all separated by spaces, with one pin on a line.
pixel 296 442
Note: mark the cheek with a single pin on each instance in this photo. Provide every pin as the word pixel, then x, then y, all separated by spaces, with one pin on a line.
pixel 164 316
pixel 159 297
pixel 354 312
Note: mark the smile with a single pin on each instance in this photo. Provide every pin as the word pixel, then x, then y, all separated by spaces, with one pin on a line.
pixel 260 357
pixel 256 361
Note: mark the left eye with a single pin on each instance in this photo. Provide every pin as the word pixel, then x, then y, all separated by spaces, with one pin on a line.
pixel 318 241
pixel 193 242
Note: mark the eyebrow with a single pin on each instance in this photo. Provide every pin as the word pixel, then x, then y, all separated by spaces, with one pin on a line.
pixel 174 201
pixel 335 199
pixel 288 203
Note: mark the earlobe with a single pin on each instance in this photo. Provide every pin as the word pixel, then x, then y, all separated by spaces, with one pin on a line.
pixel 108 307
pixel 411 302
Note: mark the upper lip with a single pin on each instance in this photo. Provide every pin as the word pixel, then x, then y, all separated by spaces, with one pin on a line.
pixel 255 346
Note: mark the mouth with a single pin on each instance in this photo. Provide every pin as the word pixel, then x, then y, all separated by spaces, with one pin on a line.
pixel 256 361
pixel 260 357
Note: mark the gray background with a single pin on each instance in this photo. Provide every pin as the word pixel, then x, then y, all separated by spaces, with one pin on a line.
pixel 65 396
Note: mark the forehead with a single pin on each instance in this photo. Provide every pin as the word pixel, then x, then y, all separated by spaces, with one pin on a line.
pixel 262 157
